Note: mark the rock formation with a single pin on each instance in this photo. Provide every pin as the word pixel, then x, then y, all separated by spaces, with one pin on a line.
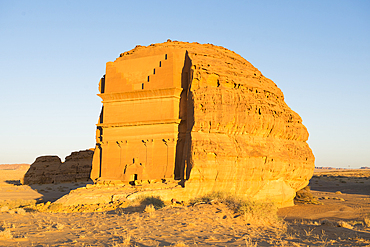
pixel 203 115
pixel 50 169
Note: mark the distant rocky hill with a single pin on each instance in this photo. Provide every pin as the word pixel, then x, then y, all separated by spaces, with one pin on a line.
pixel 50 169
pixel 14 166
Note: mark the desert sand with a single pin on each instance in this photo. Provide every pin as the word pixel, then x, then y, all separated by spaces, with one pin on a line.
pixel 341 217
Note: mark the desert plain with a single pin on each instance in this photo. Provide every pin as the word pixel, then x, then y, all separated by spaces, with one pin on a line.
pixel 338 214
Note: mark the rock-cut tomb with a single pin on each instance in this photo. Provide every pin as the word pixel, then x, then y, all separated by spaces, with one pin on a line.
pixel 203 115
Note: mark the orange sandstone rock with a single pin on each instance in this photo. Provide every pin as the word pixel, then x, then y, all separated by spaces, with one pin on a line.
pixel 50 169
pixel 201 114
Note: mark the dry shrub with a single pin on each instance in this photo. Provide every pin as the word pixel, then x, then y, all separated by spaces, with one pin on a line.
pixel 40 207
pixel 55 207
pixel 156 201
pixel 327 222
pixel 305 196
pixel 255 212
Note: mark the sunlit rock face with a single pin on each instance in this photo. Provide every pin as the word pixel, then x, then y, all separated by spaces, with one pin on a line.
pixel 203 115
pixel 51 170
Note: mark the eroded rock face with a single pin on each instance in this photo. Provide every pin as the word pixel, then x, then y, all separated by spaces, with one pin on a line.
pixel 50 169
pixel 204 115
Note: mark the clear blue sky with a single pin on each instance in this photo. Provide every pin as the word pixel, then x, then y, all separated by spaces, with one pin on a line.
pixel 53 53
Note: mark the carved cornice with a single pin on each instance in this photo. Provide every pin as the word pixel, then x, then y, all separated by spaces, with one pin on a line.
pixel 141 95
pixel 128 124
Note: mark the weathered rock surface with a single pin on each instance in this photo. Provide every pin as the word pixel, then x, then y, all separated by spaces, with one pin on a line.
pixel 50 169
pixel 204 115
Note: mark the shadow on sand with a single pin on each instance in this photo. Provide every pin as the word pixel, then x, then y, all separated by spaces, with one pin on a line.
pixel 344 184
pixel 52 192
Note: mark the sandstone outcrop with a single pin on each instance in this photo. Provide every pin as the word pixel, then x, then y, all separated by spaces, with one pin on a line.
pixel 50 169
pixel 203 115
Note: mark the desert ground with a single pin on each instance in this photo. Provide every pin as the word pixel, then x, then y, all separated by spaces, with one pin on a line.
pixel 337 215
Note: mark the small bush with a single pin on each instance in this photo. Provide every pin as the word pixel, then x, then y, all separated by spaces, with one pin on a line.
pixel 210 197
pixel 55 207
pixel 156 201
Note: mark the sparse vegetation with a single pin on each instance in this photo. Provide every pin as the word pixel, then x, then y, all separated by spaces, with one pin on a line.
pixel 54 207
pixel 256 212
pixel 156 201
